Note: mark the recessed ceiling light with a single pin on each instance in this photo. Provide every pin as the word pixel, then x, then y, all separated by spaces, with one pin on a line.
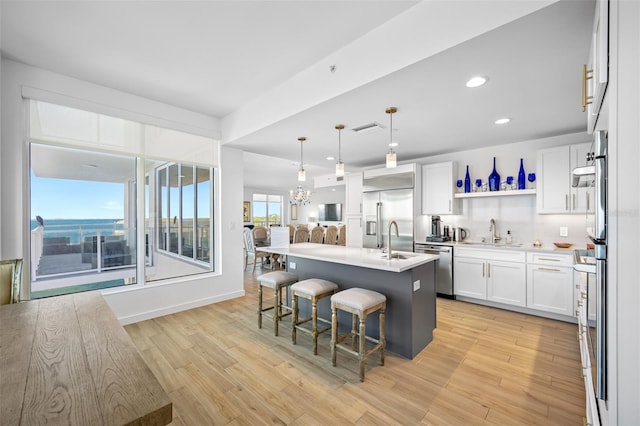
pixel 477 81
pixel 330 158
pixel 504 120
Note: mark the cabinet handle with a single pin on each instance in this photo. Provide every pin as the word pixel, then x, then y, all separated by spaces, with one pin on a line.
pixel 588 203
pixel 566 202
pixel 549 259
pixel 488 270
pixel 549 269
pixel 586 75
pixel 449 205
pixel 483 270
pixel 573 201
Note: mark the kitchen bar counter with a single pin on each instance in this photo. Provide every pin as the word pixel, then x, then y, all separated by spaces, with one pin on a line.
pixel 67 360
pixel 352 256
pixel 408 284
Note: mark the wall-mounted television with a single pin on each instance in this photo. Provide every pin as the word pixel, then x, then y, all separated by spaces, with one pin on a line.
pixel 329 212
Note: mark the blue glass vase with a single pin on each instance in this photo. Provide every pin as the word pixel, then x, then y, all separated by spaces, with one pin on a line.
pixel 521 176
pixel 467 181
pixel 494 178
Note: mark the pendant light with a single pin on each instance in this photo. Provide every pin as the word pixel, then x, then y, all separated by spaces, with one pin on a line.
pixel 339 164
pixel 301 173
pixel 300 196
pixel 391 155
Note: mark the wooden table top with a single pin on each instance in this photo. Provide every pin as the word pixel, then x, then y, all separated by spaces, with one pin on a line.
pixel 67 360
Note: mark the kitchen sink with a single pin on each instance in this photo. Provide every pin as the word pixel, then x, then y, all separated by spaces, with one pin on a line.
pixel 402 256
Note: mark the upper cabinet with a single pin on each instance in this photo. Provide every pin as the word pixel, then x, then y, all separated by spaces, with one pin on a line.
pixel 555 194
pixel 438 189
pixel 353 189
pixel 595 74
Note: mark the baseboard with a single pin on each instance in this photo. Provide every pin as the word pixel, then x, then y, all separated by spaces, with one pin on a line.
pixel 143 316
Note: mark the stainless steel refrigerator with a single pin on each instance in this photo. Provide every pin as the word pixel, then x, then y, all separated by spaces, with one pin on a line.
pixel 385 199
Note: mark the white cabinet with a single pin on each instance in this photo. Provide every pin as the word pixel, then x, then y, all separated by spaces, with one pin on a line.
pixel 495 275
pixel 353 190
pixel 550 283
pixel 596 71
pixel 554 166
pixel 438 189
pixel 506 282
pixel 470 277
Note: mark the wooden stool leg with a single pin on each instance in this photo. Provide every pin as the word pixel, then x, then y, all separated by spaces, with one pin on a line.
pixel 361 346
pixel 259 305
pixel 354 330
pixel 314 324
pixel 383 341
pixel 294 314
pixel 277 309
pixel 334 334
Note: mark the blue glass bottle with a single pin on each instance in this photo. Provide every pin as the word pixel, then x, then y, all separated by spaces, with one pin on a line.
pixel 494 178
pixel 467 181
pixel 521 176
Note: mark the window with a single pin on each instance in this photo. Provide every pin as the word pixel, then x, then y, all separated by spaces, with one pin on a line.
pixel 90 184
pixel 184 203
pixel 267 209
pixel 83 231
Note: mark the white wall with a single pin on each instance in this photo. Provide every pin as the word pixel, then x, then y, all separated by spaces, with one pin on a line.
pixel 514 213
pixel 326 195
pixel 133 303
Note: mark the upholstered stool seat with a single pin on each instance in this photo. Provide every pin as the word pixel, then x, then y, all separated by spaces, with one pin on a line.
pixel 359 303
pixel 312 289
pixel 277 281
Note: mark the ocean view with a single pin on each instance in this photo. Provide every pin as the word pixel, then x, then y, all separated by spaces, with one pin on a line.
pixel 77 229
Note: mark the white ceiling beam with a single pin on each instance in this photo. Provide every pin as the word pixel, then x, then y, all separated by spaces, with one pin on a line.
pixel 422 31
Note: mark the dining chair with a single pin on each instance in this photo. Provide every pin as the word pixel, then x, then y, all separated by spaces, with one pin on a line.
pixel 260 233
pixel 10 281
pixel 301 236
pixel 331 235
pixel 250 250
pixel 317 235
pixel 342 236
pixel 292 230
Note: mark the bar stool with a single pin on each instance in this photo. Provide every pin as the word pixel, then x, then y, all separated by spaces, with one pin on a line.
pixel 277 280
pixel 312 289
pixel 359 302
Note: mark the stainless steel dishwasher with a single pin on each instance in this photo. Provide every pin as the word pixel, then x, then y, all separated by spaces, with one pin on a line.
pixel 444 269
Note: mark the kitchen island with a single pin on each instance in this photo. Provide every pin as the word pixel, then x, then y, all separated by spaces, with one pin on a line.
pixel 407 281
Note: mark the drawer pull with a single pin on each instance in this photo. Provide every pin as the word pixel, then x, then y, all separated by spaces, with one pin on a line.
pixel 549 269
pixel 482 270
pixel 549 259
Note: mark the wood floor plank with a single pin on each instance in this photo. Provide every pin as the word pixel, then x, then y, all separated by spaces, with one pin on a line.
pixel 485 366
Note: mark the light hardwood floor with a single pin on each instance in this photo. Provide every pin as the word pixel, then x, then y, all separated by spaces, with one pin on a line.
pixel 484 366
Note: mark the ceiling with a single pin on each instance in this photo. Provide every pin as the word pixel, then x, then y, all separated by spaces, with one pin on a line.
pixel 215 57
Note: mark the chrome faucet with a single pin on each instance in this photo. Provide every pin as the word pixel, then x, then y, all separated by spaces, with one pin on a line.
pixel 393 222
pixel 493 231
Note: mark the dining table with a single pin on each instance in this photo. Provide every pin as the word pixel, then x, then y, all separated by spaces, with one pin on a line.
pixel 67 360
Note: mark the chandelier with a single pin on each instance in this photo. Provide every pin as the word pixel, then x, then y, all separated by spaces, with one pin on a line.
pixel 339 164
pixel 300 195
pixel 391 155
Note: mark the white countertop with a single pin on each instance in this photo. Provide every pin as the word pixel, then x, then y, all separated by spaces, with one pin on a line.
pixel 529 247
pixel 361 257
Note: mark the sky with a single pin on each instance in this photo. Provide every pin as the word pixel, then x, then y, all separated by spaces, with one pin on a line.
pixel 73 199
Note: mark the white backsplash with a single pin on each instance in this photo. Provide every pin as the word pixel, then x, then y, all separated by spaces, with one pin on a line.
pixel 516 214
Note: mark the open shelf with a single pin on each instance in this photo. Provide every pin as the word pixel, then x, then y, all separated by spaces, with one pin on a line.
pixel 495 193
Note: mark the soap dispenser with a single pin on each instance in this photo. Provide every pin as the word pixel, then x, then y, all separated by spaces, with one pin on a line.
pixel 509 240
